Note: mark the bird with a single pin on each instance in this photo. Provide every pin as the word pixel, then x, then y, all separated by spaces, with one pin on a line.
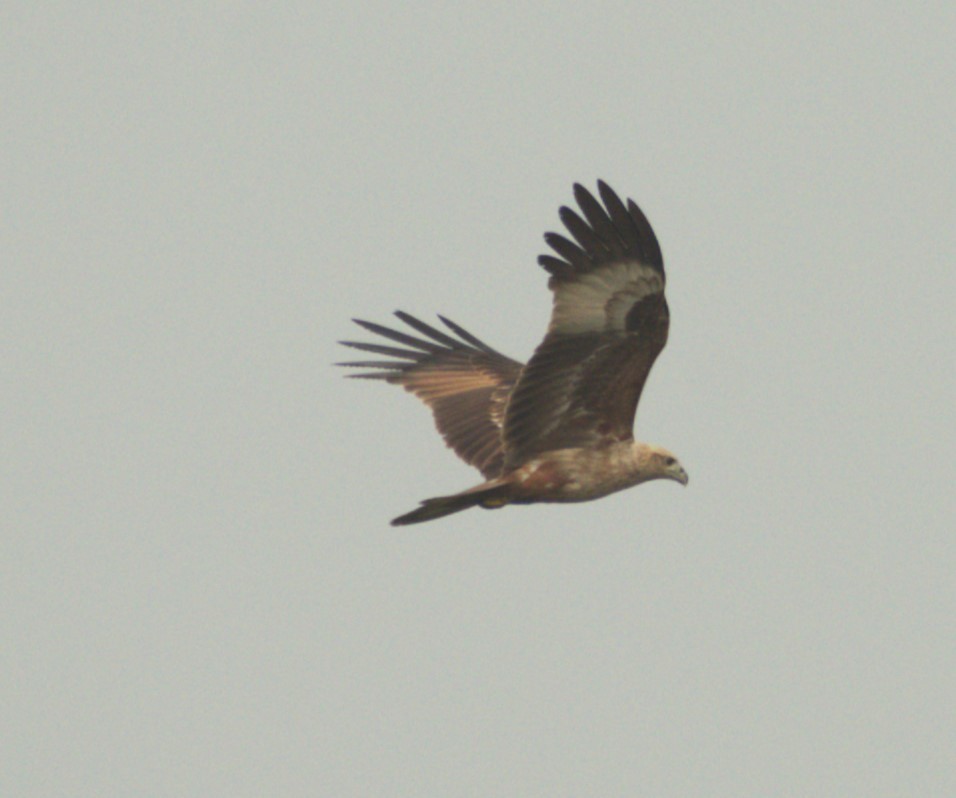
pixel 558 428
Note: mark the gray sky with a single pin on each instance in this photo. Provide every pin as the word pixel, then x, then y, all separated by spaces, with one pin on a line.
pixel 201 592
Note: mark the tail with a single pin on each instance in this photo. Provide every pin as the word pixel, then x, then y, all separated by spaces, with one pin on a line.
pixel 489 495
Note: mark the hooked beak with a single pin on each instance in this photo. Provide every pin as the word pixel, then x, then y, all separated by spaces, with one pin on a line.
pixel 680 475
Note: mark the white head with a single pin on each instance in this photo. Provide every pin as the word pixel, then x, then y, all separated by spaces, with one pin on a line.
pixel 658 463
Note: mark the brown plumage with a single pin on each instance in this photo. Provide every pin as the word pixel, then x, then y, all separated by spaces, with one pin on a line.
pixel 558 429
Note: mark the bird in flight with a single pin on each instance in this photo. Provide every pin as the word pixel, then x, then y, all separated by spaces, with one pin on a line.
pixel 559 428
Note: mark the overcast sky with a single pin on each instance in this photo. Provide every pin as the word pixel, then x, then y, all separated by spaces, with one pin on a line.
pixel 201 593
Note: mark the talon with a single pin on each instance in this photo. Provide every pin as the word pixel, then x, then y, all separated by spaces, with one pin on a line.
pixel 493 504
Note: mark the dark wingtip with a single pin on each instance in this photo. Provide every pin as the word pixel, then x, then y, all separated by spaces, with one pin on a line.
pixel 556 267
pixel 581 190
pixel 610 228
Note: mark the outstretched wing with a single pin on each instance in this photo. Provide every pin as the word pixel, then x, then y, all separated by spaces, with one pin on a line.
pixel 465 382
pixel 608 324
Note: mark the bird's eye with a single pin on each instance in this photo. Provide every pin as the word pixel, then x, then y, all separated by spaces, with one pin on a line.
pixel 669 461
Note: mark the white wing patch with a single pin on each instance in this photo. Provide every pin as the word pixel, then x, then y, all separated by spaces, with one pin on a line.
pixel 599 301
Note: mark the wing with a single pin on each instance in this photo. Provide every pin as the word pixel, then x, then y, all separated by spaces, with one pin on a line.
pixel 608 324
pixel 465 382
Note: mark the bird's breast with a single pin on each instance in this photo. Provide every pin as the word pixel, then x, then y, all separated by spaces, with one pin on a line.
pixel 575 475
